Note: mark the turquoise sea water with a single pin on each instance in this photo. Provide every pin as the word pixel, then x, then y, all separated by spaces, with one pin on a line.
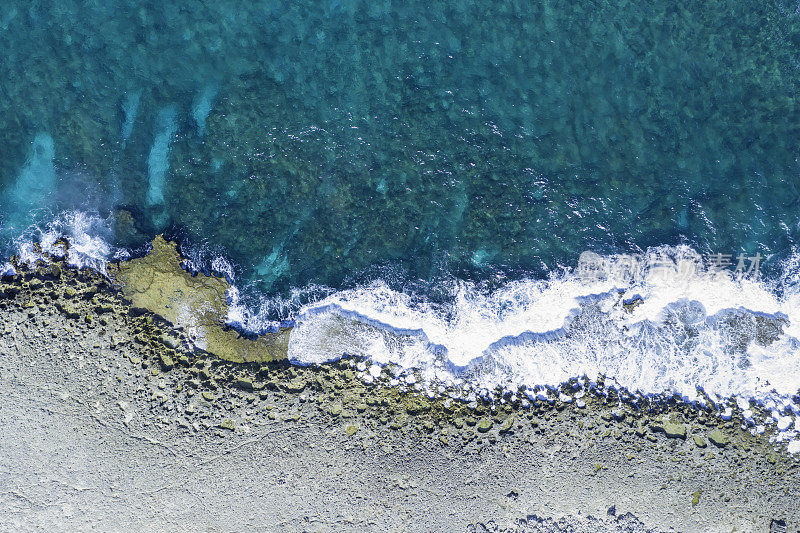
pixel 443 150
pixel 314 141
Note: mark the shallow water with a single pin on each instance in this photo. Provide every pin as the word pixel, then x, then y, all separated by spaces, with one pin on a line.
pixel 430 172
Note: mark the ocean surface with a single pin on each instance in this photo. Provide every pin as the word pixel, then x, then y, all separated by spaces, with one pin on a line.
pixel 490 193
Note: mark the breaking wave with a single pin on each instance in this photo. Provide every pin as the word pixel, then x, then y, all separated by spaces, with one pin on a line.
pixel 670 326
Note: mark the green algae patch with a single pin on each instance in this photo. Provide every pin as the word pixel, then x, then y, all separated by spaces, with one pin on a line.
pixel 196 303
pixel 484 425
pixel 696 497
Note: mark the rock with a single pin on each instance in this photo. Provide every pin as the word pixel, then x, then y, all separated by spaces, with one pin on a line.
pixel 227 424
pixel 209 397
pixel 170 342
pixel 335 409
pixel 485 425
pixel 361 407
pixel 243 383
pixel 507 425
pixel 166 362
pixel 699 441
pixel 350 429
pixel 68 310
pixel 669 427
pixel 103 309
pixel 398 422
pixel 718 438
pixel 674 430
pixel 159 284
pixel 416 406
pixel 777 526
pixel 295 386
pixel 54 270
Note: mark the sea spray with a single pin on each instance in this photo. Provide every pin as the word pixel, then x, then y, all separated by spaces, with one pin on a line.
pixel 89 241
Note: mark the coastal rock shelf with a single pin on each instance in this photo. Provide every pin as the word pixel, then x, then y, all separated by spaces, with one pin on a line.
pixel 195 303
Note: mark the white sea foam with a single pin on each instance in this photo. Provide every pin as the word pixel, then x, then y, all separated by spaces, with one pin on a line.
pixel 687 329
pixel 87 236
pixel 793 446
pixel 7 269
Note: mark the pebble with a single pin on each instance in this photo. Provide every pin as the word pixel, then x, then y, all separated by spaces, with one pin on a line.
pixel 718 438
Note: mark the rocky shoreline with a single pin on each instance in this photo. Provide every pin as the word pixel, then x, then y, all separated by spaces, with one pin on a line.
pixel 173 436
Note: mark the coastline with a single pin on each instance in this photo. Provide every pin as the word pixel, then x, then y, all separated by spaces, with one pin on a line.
pixel 114 418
